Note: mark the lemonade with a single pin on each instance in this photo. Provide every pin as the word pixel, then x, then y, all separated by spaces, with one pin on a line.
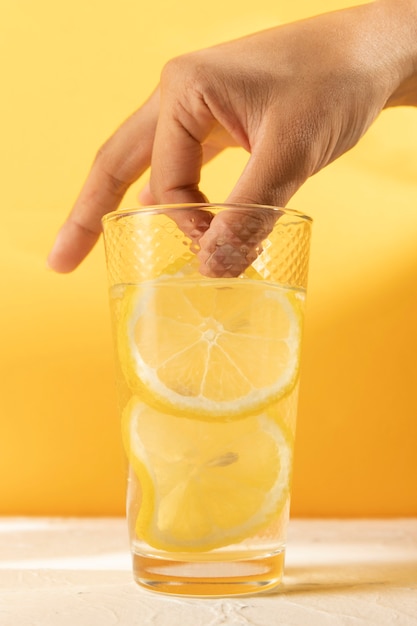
pixel 208 375
pixel 207 304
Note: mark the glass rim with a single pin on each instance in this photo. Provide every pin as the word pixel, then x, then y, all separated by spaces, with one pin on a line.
pixel 156 209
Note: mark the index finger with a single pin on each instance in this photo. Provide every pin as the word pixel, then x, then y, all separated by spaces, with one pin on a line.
pixel 121 161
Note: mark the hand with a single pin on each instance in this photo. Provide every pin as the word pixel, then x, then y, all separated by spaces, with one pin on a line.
pixel 296 97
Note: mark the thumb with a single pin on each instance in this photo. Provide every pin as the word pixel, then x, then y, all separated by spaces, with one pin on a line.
pixel 234 239
pixel 275 171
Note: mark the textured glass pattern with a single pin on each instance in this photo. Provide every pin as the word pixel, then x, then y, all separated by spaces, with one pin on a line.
pixel 147 243
pixel 286 252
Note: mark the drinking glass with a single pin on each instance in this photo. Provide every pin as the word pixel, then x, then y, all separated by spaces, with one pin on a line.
pixel 207 304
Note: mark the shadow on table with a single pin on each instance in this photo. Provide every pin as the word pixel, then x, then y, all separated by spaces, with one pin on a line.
pixel 344 576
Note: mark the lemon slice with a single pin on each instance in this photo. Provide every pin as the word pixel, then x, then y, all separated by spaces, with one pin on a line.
pixel 205 484
pixel 209 348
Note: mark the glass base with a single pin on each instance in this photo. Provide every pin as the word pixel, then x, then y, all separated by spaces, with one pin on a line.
pixel 209 579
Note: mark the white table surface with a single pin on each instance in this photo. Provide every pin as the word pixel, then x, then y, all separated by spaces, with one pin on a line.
pixel 76 572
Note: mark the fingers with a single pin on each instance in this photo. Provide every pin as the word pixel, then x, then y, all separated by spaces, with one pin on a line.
pixel 234 240
pixel 280 163
pixel 193 223
pixel 271 177
pixel 118 164
pixel 184 124
pixel 210 150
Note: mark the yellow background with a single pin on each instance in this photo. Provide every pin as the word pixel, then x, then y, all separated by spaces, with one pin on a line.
pixel 70 73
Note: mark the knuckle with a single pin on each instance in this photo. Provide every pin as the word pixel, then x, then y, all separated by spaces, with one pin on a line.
pixel 110 170
pixel 173 69
pixel 188 71
pixel 104 154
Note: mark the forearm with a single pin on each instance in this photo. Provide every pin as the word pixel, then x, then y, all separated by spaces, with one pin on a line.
pixel 399 20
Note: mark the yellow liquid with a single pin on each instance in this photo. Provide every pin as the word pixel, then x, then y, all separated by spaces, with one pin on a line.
pixel 255 560
pixel 239 576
